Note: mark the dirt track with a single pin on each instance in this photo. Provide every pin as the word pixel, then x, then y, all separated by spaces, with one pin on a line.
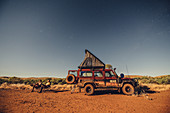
pixel 23 101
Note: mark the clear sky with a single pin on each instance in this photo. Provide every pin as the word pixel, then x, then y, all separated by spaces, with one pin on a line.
pixel 48 37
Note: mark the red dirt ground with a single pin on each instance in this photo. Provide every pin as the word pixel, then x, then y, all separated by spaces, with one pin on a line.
pixel 23 101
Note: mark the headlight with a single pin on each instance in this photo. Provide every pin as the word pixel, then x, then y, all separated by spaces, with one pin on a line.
pixel 136 80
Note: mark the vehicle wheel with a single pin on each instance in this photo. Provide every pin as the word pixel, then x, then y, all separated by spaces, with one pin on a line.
pixel 128 89
pixel 70 79
pixel 89 89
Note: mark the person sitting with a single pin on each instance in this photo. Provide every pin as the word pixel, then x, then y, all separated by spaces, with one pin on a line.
pixel 41 86
pixel 37 85
pixel 47 85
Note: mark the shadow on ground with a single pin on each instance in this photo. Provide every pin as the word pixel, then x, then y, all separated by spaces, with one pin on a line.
pixel 109 92
pixel 146 89
pixel 55 91
pixel 140 90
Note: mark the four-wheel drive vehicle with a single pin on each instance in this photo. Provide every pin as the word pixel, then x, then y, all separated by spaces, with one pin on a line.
pixel 107 78
pixel 93 74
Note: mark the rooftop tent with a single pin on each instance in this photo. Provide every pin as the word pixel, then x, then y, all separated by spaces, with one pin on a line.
pixel 91 61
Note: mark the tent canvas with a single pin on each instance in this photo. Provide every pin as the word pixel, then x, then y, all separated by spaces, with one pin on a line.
pixel 91 61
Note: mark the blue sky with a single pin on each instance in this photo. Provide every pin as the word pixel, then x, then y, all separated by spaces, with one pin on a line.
pixel 48 37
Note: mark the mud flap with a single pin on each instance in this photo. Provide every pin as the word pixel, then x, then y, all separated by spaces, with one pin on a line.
pixel 119 89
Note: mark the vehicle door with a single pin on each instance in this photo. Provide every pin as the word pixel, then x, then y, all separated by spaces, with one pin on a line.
pixel 110 79
pixel 99 78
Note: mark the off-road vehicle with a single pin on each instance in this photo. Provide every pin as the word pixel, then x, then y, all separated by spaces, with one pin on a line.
pixel 93 74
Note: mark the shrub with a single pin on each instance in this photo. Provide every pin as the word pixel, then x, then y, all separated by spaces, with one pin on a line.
pixel 28 81
pixel 15 80
pixel 2 81
pixel 162 80
pixel 58 81
pixel 64 81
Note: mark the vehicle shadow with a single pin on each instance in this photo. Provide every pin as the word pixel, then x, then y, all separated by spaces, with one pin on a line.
pixel 55 91
pixel 140 90
pixel 104 92
pixel 146 89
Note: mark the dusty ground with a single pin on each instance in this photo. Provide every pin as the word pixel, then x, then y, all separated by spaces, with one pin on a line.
pixel 23 101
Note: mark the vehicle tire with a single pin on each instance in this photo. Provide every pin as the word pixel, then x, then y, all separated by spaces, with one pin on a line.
pixel 89 89
pixel 70 79
pixel 128 89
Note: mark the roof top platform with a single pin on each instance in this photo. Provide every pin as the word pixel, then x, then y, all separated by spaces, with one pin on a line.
pixel 91 62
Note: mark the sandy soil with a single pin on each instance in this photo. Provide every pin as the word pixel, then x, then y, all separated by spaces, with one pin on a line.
pixel 23 101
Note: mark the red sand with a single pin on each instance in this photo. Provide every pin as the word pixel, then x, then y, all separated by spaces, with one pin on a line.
pixel 23 101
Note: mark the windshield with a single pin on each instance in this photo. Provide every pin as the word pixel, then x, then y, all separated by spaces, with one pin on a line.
pixel 109 74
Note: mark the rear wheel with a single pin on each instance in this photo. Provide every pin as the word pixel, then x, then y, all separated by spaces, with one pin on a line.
pixel 128 89
pixel 89 89
pixel 70 79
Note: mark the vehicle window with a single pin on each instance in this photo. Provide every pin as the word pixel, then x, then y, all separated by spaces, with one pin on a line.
pixel 86 74
pixel 98 74
pixel 109 74
pixel 73 72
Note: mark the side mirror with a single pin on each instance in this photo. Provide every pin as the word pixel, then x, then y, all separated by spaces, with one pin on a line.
pixel 122 75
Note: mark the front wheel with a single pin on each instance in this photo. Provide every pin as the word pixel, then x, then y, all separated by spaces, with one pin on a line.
pixel 128 89
pixel 89 89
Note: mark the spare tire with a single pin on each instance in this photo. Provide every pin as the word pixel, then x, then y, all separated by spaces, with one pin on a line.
pixel 70 79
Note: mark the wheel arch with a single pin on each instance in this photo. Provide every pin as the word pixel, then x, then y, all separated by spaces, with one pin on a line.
pixel 127 82
pixel 90 83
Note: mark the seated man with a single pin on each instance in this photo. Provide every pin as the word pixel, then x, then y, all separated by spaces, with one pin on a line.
pixel 47 85
pixel 40 85
pixel 37 85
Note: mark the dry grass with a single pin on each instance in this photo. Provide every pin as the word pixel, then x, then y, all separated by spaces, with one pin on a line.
pixel 139 76
pixel 28 87
pixel 161 76
pixel 153 87
pixel 156 87
pixel 133 76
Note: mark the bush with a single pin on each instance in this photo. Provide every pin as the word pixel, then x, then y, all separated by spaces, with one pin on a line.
pixel 162 80
pixel 30 81
pixel 54 81
pixel 15 80
pixel 58 81
pixel 2 81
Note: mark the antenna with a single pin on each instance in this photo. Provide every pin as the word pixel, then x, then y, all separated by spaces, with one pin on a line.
pixel 127 69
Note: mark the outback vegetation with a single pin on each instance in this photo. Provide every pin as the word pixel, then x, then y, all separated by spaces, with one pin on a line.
pixel 29 81
pixel 61 81
pixel 154 80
